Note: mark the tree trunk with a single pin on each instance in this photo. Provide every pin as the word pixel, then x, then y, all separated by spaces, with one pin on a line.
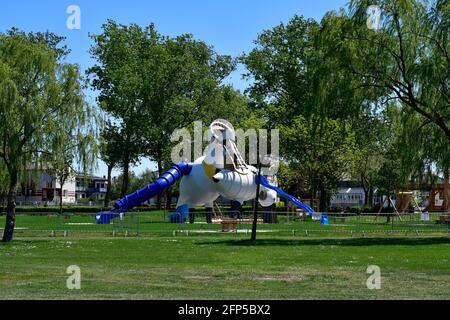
pixel 323 200
pixel 158 197
pixel 312 190
pixel 108 187
pixel 370 200
pixel 366 188
pixel 366 196
pixel 11 207
pixel 126 169
pixel 61 197
pixel 388 219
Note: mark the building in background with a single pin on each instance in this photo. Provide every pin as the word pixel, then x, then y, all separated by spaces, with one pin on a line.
pixel 91 188
pixel 41 187
pixel 348 195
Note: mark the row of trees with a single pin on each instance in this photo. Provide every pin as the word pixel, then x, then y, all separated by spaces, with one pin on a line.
pixel 369 104
pixel 372 105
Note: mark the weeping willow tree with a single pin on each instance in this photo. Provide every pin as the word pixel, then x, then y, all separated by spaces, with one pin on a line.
pixel 42 110
pixel 77 146
pixel 407 56
pixel 403 66
pixel 424 154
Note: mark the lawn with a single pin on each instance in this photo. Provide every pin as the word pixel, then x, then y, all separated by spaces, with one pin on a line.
pixel 226 267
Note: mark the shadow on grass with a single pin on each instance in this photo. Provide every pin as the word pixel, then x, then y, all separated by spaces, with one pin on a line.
pixel 358 242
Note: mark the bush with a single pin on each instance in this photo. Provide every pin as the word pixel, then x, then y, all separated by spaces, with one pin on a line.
pixel 279 204
pixel 84 200
pixel 336 209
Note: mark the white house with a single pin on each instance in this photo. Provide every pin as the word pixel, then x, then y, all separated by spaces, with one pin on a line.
pixel 348 197
pixel 41 187
pixel 90 187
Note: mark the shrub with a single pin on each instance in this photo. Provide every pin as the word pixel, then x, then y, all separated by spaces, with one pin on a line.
pixel 279 204
pixel 336 209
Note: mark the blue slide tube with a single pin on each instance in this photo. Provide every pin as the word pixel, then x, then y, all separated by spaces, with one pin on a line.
pixel 283 194
pixel 153 189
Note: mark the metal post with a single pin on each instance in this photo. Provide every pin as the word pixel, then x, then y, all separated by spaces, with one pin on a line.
pixel 137 223
pixel 302 224
pixel 358 223
pixel 255 212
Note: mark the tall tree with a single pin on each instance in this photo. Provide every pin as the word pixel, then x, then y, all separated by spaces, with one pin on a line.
pixel 399 73
pixel 372 138
pixel 280 67
pixel 323 151
pixel 290 84
pixel 119 52
pixel 182 85
pixel 152 84
pixel 40 97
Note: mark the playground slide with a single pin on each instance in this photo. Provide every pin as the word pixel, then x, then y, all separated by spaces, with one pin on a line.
pixel 283 194
pixel 153 189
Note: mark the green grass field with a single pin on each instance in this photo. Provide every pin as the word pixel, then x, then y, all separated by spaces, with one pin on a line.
pixel 227 267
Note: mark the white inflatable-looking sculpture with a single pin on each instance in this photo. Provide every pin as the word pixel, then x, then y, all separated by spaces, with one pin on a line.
pixel 220 172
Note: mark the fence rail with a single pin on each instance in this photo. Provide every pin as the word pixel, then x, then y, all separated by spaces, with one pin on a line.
pixel 238 222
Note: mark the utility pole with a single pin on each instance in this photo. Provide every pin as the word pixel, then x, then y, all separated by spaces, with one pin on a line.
pixel 255 212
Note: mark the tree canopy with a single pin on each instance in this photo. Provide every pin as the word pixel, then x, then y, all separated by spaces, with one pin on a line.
pixel 41 105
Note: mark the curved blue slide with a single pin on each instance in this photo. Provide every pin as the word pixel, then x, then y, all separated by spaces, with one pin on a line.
pixel 283 194
pixel 153 189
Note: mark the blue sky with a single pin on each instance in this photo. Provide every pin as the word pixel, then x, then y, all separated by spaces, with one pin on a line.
pixel 229 26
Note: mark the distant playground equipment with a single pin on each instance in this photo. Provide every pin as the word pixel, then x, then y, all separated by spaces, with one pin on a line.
pixel 440 197
pixel 406 202
pixel 222 171
pixel 402 203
